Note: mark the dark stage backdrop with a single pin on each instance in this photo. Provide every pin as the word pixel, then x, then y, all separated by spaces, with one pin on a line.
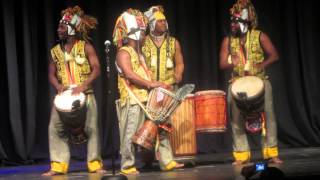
pixel 28 31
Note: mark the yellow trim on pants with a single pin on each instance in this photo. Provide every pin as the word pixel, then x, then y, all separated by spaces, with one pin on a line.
pixel 270 152
pixel 59 167
pixel 132 170
pixel 94 165
pixel 242 156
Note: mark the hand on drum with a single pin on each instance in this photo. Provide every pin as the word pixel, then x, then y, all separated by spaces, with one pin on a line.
pixel 78 90
pixel 155 84
pixel 235 59
pixel 60 88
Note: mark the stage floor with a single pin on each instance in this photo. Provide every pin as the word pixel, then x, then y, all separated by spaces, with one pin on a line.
pixel 299 163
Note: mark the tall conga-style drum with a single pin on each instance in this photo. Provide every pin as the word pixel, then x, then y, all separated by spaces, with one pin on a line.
pixel 183 137
pixel 210 110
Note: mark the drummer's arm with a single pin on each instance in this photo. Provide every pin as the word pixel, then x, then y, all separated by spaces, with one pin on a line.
pixel 179 65
pixel 123 60
pixel 269 49
pixel 224 54
pixel 52 76
pixel 94 64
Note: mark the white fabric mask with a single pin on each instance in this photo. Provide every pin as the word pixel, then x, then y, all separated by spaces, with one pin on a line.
pixel 75 21
pixel 132 24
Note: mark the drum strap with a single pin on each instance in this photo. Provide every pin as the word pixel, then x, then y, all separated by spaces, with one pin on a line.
pixel 263 123
pixel 70 75
pixel 136 99
pixel 156 148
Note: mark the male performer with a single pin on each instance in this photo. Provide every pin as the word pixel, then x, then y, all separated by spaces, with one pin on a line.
pixel 165 60
pixel 133 83
pixel 248 51
pixel 162 52
pixel 74 64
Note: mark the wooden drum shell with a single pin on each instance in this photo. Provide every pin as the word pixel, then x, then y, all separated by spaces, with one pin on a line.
pixel 183 137
pixel 210 111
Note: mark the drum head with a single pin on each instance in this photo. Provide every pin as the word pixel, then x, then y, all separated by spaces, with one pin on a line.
pixel 210 92
pixel 159 89
pixel 65 101
pixel 189 96
pixel 251 86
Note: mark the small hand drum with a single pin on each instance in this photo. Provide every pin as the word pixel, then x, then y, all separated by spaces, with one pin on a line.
pixel 161 104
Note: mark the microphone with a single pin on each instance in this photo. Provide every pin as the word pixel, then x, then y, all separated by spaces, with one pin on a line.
pixel 107 43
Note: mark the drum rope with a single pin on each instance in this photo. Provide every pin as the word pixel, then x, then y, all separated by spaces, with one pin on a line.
pixel 131 93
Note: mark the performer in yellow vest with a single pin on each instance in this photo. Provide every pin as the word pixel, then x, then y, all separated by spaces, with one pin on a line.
pixel 74 64
pixel 165 60
pixel 162 52
pixel 133 82
pixel 248 51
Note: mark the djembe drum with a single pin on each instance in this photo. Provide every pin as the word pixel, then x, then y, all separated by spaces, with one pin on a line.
pixel 210 109
pixel 72 112
pixel 161 104
pixel 248 94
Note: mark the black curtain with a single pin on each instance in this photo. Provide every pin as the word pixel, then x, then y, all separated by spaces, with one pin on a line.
pixel 28 31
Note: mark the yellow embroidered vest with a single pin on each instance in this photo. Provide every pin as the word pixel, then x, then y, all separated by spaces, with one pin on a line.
pixel 160 60
pixel 141 94
pixel 254 52
pixel 78 65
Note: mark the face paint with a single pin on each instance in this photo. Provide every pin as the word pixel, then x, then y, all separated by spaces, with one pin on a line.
pixel 240 23
pixel 71 31
pixel 235 27
pixel 239 26
pixel 244 25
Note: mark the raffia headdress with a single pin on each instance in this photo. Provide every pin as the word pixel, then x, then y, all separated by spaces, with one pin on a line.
pixel 77 21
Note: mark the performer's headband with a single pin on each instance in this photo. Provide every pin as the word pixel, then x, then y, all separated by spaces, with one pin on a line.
pixel 159 16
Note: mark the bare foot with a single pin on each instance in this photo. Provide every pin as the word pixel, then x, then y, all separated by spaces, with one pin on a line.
pixel 51 173
pixel 100 171
pixel 275 160
pixel 178 166
pixel 239 162
pixel 172 165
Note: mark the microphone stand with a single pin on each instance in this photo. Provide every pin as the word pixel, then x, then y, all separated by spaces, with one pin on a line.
pixel 113 176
